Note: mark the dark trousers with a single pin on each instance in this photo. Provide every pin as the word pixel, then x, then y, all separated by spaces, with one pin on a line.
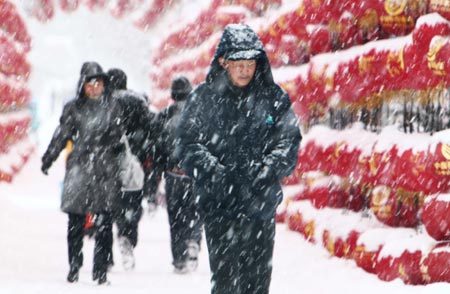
pixel 184 220
pixel 75 235
pixel 240 255
pixel 127 221
pixel 128 218
pixel 151 183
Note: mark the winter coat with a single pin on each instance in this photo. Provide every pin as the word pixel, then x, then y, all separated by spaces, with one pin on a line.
pixel 91 182
pixel 137 122
pixel 168 120
pixel 238 143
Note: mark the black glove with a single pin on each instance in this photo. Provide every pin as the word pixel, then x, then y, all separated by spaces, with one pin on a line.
pixel 45 166
pixel 264 179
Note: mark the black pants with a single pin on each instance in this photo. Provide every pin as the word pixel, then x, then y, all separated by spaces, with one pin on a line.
pixel 184 220
pixel 151 184
pixel 127 220
pixel 240 255
pixel 75 235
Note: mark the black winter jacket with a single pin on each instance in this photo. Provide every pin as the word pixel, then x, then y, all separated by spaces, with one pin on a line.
pixel 238 143
pixel 91 182
pixel 138 122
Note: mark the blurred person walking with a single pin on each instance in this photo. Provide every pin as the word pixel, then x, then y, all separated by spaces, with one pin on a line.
pixel 238 138
pixel 92 122
pixel 184 220
pixel 139 130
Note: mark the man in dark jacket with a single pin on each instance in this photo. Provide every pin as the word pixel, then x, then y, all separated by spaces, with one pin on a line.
pixel 238 138
pixel 139 131
pixel 185 225
pixel 92 122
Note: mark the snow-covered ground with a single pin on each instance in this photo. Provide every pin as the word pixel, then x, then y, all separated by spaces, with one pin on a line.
pixel 33 253
pixel 33 249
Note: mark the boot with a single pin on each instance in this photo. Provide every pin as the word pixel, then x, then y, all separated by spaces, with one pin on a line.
pixel 99 276
pixel 73 275
pixel 193 250
pixel 126 248
pixel 102 279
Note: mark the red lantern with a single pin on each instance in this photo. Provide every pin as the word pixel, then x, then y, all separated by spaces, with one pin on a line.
pixel 365 258
pixel 320 39
pixel 395 207
pixel 436 263
pixel 297 222
pixel 340 246
pixel 436 216
pixel 401 258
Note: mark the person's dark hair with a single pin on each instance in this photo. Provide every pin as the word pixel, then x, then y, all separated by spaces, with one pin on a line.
pixel 117 79
pixel 180 89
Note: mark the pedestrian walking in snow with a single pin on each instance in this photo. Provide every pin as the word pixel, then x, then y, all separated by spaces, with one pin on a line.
pixel 137 121
pixel 238 138
pixel 92 122
pixel 184 220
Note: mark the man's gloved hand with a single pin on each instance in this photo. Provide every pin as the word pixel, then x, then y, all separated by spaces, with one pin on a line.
pixel 264 179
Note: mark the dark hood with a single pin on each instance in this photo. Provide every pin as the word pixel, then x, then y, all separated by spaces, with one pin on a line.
pixel 88 71
pixel 117 79
pixel 239 40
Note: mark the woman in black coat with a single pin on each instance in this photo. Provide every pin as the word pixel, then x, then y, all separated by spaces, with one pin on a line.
pixel 92 121
pixel 238 138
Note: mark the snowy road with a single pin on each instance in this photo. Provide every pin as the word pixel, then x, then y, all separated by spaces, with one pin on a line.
pixel 33 256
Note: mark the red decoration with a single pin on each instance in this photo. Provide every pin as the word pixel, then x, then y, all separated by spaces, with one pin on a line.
pixel 435 265
pixel 366 259
pixel 406 266
pixel 436 216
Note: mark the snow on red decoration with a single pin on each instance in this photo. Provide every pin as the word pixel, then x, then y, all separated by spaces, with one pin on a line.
pixel 297 222
pixel 12 60
pixel 320 39
pixel 318 12
pixel 123 7
pixel 95 4
pixel 13 25
pixel 290 51
pixel 338 246
pixel 69 5
pixel 395 207
pixel 153 13
pixel 438 61
pixel 12 131
pixel 366 258
pixel 440 6
pixel 398 17
pixel 43 10
pixel 409 268
pixel 435 265
pixel 13 96
pixel 436 216
pixel 401 258
pixel 256 6
pixel 346 31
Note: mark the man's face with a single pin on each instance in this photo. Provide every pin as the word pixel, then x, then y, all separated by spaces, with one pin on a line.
pixel 93 88
pixel 241 72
